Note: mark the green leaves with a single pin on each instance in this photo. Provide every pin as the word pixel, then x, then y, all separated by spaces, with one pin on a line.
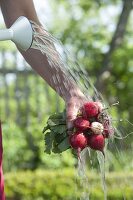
pixel 56 119
pixel 64 145
pixel 49 137
pixel 55 134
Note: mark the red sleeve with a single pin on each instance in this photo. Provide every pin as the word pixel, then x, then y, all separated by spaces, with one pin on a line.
pixel 2 196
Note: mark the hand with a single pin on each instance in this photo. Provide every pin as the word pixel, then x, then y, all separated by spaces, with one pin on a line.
pixel 73 105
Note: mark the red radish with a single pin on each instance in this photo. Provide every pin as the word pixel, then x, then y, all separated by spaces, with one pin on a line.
pixel 78 141
pixel 96 142
pixel 97 127
pixel 100 106
pixel 108 131
pixel 81 124
pixel 90 109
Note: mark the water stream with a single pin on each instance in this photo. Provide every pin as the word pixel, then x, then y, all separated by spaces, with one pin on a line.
pixel 82 176
pixel 101 160
pixel 60 59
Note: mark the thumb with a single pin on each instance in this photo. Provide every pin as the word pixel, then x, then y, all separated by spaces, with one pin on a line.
pixel 71 114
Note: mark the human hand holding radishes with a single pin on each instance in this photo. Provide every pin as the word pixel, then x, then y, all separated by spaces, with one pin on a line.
pixel 89 124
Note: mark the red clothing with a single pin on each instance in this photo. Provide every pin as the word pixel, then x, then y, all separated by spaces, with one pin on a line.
pixel 2 196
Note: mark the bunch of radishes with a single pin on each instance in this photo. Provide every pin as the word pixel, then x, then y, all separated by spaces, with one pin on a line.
pixel 91 128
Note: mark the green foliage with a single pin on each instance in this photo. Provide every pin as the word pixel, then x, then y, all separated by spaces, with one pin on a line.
pixel 62 184
pixel 14 144
pixel 6 46
pixel 55 134
pixel 23 149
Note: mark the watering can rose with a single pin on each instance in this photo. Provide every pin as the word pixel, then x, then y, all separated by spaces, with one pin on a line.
pixel 90 129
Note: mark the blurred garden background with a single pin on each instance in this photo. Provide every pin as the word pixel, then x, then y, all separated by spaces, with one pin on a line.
pixel 99 34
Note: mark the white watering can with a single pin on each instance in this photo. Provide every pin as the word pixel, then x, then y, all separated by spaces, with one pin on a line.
pixel 20 33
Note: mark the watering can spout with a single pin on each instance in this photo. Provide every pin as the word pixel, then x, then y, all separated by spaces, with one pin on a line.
pixel 20 33
pixel 6 34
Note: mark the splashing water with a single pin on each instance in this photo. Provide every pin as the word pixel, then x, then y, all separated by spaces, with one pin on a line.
pixel 101 160
pixel 82 177
pixel 60 59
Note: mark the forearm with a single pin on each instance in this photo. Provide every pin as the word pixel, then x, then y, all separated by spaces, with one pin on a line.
pixel 56 78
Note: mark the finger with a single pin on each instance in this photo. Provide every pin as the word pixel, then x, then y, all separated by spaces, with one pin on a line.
pixel 71 114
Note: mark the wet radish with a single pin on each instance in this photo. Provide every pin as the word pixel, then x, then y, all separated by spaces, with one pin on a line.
pixel 78 140
pixel 108 131
pixel 96 142
pixel 81 124
pixel 90 109
pixel 97 127
pixel 100 106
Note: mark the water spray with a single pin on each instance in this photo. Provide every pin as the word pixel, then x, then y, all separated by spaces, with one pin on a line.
pixel 20 33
